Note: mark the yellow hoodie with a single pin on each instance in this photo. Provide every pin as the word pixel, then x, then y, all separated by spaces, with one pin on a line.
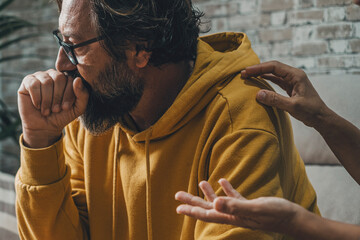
pixel 121 185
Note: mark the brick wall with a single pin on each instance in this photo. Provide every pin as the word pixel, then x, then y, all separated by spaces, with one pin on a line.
pixel 320 36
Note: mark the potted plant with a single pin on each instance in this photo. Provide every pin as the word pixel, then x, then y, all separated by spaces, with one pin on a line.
pixel 10 123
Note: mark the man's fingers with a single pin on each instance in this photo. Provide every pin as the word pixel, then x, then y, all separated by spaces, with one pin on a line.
pixel 229 190
pixel 274 67
pixel 46 91
pixel 82 96
pixel 60 81
pixel 207 190
pixel 31 86
pixel 274 99
pixel 189 199
pixel 69 95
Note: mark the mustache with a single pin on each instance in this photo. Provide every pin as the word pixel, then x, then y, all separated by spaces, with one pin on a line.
pixel 74 74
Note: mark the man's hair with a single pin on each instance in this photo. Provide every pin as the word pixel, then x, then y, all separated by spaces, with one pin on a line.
pixel 167 28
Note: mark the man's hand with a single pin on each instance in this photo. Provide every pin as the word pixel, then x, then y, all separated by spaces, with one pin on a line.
pixel 265 213
pixel 304 102
pixel 48 101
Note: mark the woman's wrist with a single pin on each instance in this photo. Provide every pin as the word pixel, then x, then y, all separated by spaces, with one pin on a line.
pixel 324 119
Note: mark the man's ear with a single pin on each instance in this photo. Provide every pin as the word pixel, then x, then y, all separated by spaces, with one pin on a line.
pixel 142 56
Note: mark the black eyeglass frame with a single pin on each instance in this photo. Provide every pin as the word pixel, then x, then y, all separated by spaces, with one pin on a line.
pixel 69 48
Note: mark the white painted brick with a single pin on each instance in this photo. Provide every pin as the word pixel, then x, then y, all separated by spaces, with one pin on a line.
pixel 306 3
pixel 276 35
pixel 336 61
pixel 305 63
pixel 338 46
pixel 278 18
pixel 243 22
pixel 282 49
pixel 305 17
pixel 214 10
pixel 356 61
pixel 335 31
pixel 326 3
pixel 356 29
pixel 335 14
pixel 354 46
pixel 247 6
pixel 219 25
pixel 303 33
pixel 310 48
pixel 274 5
pixel 353 13
pixel 262 50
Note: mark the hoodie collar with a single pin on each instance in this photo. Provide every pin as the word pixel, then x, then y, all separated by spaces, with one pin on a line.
pixel 220 57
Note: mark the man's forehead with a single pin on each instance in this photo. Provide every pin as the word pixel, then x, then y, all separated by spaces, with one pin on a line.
pixel 75 17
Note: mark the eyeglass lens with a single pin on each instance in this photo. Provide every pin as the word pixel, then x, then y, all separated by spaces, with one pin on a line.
pixel 67 48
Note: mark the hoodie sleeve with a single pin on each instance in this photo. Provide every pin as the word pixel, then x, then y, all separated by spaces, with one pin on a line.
pixel 253 169
pixel 49 205
pixel 252 147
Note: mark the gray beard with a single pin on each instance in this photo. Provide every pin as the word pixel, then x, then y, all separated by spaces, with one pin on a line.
pixel 116 92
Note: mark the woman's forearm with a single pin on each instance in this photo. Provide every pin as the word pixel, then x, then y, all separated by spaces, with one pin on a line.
pixel 308 225
pixel 343 139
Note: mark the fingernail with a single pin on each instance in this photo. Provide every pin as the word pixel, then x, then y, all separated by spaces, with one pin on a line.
pixel 46 112
pixel 179 209
pixel 243 74
pixel 261 95
pixel 80 85
pixel 56 108
pixel 66 106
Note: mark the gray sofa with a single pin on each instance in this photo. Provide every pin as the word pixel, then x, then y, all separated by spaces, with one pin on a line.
pixel 338 194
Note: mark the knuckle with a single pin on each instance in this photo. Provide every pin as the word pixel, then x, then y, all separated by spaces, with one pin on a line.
pixel 59 76
pixel 48 82
pixel 34 84
pixel 296 106
pixel 300 74
pixel 275 62
pixel 273 99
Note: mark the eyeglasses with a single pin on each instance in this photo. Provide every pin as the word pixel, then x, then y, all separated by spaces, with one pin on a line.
pixel 69 48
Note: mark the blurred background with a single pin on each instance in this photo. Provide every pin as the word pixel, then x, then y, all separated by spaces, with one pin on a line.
pixel 320 36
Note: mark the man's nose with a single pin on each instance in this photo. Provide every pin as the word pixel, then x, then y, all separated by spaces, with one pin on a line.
pixel 63 63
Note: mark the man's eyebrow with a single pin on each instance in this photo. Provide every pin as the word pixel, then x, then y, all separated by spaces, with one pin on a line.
pixel 71 35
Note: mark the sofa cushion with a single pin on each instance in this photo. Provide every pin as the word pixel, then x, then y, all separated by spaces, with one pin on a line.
pixel 338 194
pixel 8 225
pixel 340 93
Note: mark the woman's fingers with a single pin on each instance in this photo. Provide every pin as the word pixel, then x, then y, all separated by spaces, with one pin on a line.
pixel 189 199
pixel 207 215
pixel 272 67
pixel 207 190
pixel 229 190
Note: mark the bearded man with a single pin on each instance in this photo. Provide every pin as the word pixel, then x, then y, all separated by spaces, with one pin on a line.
pixel 148 109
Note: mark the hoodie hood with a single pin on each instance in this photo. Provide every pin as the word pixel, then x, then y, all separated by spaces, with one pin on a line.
pixel 219 58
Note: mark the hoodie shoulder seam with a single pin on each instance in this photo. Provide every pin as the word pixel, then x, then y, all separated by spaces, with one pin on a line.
pixel 228 110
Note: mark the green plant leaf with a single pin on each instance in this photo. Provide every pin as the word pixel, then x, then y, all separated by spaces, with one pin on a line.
pixel 16 57
pixel 16 40
pixel 12 25
pixel 5 4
